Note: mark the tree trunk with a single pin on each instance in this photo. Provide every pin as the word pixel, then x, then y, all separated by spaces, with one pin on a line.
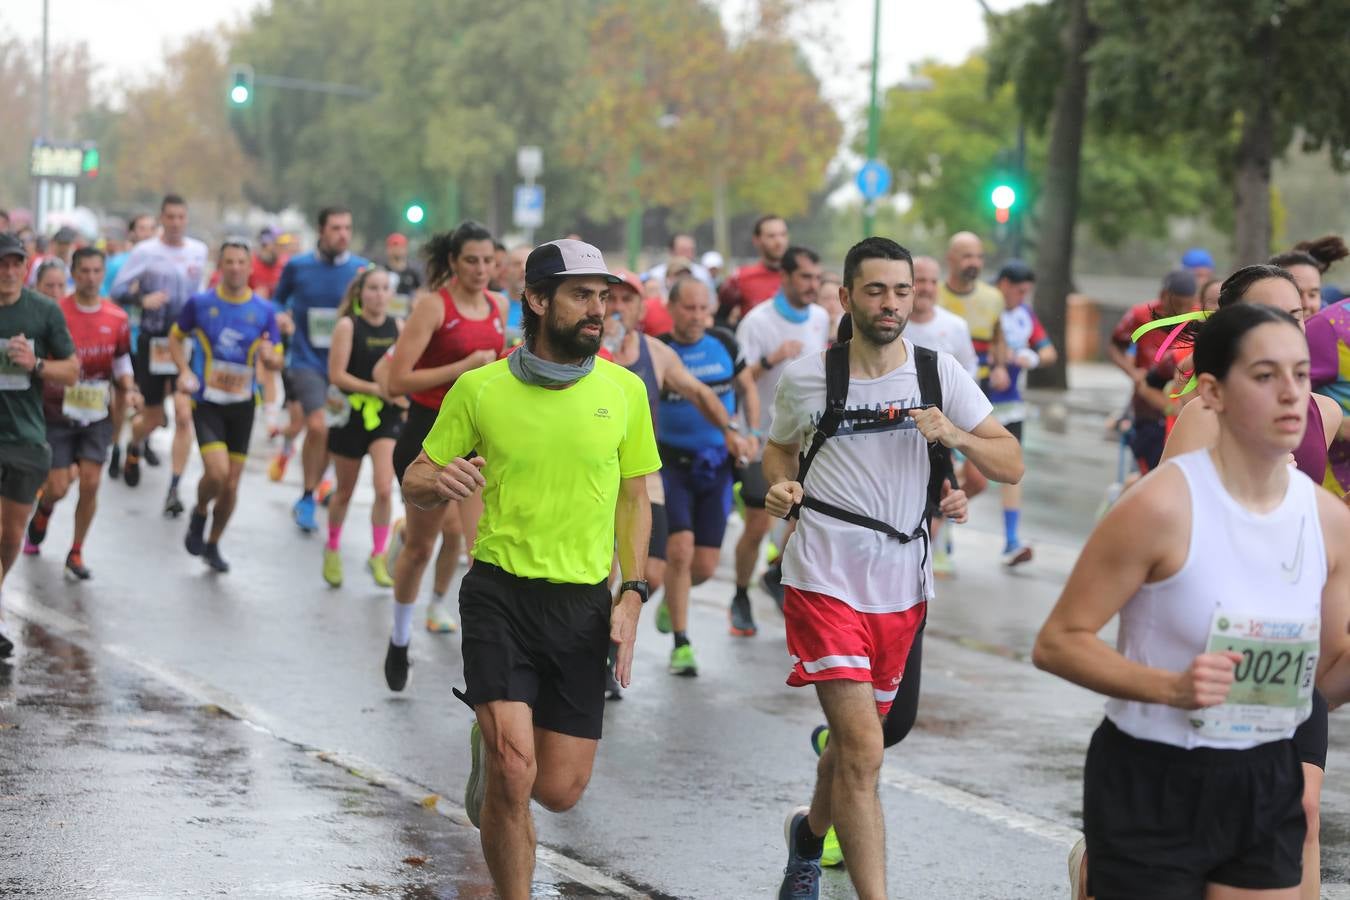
pixel 721 223
pixel 1255 151
pixel 1060 210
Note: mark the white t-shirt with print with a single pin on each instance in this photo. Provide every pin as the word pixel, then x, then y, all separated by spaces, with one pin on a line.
pixel 764 330
pixel 948 332
pixel 879 470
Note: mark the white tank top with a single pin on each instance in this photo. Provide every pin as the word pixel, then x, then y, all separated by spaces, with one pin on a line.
pixel 1248 565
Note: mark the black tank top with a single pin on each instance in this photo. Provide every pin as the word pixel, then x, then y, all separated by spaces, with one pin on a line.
pixel 368 345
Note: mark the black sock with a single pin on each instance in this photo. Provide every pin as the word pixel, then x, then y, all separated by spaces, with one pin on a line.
pixel 681 639
pixel 742 594
pixel 808 845
pixel 307 495
pixel 173 482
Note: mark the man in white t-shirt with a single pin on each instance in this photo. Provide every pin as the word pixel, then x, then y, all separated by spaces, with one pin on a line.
pixel 786 327
pixel 856 598
pixel 932 326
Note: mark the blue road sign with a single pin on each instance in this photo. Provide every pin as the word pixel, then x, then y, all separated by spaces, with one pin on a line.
pixel 874 179
pixel 528 211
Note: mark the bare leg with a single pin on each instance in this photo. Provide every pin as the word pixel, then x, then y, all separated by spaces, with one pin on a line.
pixel 757 523
pixel 182 432
pixel 855 751
pixel 314 455
pixel 348 470
pixel 679 560
pixel 229 495
pixel 90 475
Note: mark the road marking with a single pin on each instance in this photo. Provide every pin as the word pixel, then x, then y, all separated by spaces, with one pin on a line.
pixel 973 804
pixel 76 632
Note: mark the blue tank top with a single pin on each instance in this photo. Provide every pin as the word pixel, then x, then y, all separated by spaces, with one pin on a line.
pixel 644 368
pixel 714 360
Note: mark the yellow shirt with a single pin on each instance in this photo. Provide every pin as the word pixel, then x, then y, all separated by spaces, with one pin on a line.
pixel 980 308
pixel 553 463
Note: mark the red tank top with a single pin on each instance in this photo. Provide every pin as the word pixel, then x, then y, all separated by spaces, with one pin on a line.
pixel 455 339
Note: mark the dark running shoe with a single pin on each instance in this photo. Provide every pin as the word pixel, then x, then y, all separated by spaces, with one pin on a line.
pixel 396 667
pixel 801 877
pixel 115 463
pixel 211 553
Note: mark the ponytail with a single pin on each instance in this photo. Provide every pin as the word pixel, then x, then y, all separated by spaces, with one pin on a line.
pixel 444 248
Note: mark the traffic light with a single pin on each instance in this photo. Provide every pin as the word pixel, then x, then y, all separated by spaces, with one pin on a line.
pixel 1003 197
pixel 415 213
pixel 89 164
pixel 241 85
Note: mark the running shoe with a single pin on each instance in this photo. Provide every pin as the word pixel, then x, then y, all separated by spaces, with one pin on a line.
pixel 772 582
pixel 663 618
pixel 276 470
pixel 131 472
pixel 29 548
pixel 477 784
pixel 801 876
pixel 439 620
pixel 682 662
pixel 742 619
pixel 173 507
pixel 115 463
pixel 1015 556
pixel 943 567
pixel 612 689
pixel 303 512
pixel 37 528
pixel 379 570
pixel 151 457
pixel 324 492
pixel 396 667
pixel 1076 886
pixel 6 645
pixel 211 553
pixel 332 567
pixel 75 567
pixel 195 542
pixel 820 739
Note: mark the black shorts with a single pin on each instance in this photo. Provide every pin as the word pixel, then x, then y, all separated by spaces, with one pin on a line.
pixel 353 440
pixel 415 431
pixel 753 486
pixel 225 426
pixel 536 642
pixel 1162 822
pixel 23 470
pixel 656 546
pixel 71 443
pixel 154 388
pixel 308 387
pixel 1312 737
pixel 1148 437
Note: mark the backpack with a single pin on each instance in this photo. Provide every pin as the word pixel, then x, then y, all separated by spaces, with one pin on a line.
pixel 836 412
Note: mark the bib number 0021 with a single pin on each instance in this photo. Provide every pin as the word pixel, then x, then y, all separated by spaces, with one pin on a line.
pixel 1273 681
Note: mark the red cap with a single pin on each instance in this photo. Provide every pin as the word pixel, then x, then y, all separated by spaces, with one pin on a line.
pixel 629 279
pixel 396 240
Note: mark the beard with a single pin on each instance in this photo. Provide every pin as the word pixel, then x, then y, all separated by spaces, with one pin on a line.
pixel 970 273
pixel 879 335
pixel 570 341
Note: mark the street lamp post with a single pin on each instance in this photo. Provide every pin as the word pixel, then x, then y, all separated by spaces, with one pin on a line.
pixel 873 117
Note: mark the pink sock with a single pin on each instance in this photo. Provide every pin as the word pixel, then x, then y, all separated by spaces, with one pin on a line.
pixel 334 536
pixel 380 535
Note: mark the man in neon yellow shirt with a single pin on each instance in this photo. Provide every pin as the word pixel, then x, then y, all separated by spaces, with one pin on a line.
pixel 560 443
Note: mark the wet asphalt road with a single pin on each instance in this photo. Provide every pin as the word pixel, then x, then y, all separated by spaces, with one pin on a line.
pixel 168 733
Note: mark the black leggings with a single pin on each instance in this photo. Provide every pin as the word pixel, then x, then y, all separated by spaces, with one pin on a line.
pixel 905 708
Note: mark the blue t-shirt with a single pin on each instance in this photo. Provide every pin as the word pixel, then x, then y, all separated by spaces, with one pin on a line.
pixel 227 334
pixel 310 289
pixel 715 360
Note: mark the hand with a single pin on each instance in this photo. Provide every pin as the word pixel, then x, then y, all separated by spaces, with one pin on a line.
pixel 954 504
pixel 1138 375
pixel 285 324
pixel 266 349
pixel 133 399
pixel 1207 681
pixel 1028 358
pixel 187 383
pixel 935 426
pixel 999 379
pixel 782 497
pixel 480 358
pixel 461 478
pixel 154 300
pixel 740 447
pixel 623 619
pixel 788 350
pixel 21 353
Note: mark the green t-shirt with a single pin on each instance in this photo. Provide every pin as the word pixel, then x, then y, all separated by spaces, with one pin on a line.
pixel 553 463
pixel 38 319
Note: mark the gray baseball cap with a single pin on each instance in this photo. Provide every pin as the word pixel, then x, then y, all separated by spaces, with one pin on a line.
pixel 564 258
pixel 10 245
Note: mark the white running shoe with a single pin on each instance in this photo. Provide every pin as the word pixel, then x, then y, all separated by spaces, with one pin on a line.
pixel 439 620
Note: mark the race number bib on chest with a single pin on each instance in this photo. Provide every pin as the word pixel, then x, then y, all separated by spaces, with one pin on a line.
pixel 321 325
pixel 161 360
pixel 1273 686
pixel 12 377
pixel 85 402
pixel 228 382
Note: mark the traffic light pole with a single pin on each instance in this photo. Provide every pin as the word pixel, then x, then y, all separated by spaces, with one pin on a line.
pixel 873 118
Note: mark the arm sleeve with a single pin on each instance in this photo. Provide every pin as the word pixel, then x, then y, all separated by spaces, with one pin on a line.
pixel 285 285
pixel 788 422
pixel 637 450
pixel 1039 338
pixel 745 338
pixel 273 329
pixel 124 338
pixel 1323 351
pixel 187 317
pixel 732 347
pixel 1124 328
pixel 59 342
pixel 132 269
pixel 455 433
pixel 965 350
pixel 962 400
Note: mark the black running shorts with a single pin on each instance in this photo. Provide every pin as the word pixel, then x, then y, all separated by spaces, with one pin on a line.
pixel 1312 737
pixel 224 426
pixel 537 642
pixel 656 545
pixel 154 388
pixel 353 440
pixel 415 431
pixel 753 486
pixel 23 469
pixel 1162 822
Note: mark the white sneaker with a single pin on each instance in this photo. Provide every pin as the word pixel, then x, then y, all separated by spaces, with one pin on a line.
pixel 1077 889
pixel 439 620
pixel 1017 555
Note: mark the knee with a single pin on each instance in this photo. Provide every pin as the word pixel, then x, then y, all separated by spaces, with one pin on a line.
pixel 316 424
pixel 55 490
pixel 856 761
pixel 89 484
pixel 513 771
pixel 702 570
pixel 562 794
pixel 417 550
pixel 383 493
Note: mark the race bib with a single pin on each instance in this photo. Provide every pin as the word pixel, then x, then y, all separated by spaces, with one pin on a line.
pixel 12 377
pixel 161 360
pixel 227 382
pixel 321 325
pixel 1272 691
pixel 85 402
pixel 399 306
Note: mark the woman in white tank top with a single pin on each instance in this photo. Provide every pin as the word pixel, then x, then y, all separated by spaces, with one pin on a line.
pixel 1231 575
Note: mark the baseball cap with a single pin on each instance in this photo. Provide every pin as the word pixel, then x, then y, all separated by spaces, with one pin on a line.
pixel 713 260
pixel 1016 271
pixel 396 240
pixel 628 278
pixel 65 235
pixel 1180 282
pixel 564 258
pixel 268 233
pixel 1197 257
pixel 10 245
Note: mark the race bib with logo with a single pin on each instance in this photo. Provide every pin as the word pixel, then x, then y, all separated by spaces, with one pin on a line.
pixel 322 322
pixel 161 359
pixel 400 305
pixel 12 377
pixel 85 402
pixel 1272 691
pixel 227 382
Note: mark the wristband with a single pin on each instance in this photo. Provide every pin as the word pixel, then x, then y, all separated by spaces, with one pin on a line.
pixel 1028 358
pixel 765 364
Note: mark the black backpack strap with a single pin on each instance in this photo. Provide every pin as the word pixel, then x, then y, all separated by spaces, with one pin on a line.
pixel 836 399
pixel 939 457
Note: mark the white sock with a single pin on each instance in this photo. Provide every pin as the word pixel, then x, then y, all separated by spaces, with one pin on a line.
pixel 436 599
pixel 403 617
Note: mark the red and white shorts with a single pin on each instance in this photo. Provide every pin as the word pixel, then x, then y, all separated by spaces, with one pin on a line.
pixel 831 641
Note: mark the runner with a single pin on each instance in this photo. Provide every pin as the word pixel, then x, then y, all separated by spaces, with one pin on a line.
pixel 751 285
pixel 232 327
pixel 1026 347
pixel 409 280
pixel 363 334
pixel 142 228
pixel 1193 785
pixel 661 370
pixel 311 287
pixel 855 600
pixel 513 288
pixel 79 426
pixel 51 279
pixel 789 328
pixel 35 349
pixel 456 326
pixel 538 613
pixel 159 276
pixel 1308 262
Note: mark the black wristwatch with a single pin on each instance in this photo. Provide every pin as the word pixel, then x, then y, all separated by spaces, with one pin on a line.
pixel 37 369
pixel 638 587
pixel 765 364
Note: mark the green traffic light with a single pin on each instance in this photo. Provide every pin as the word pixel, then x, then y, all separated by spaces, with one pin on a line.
pixel 239 94
pixel 1003 197
pixel 415 213
pixel 90 162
